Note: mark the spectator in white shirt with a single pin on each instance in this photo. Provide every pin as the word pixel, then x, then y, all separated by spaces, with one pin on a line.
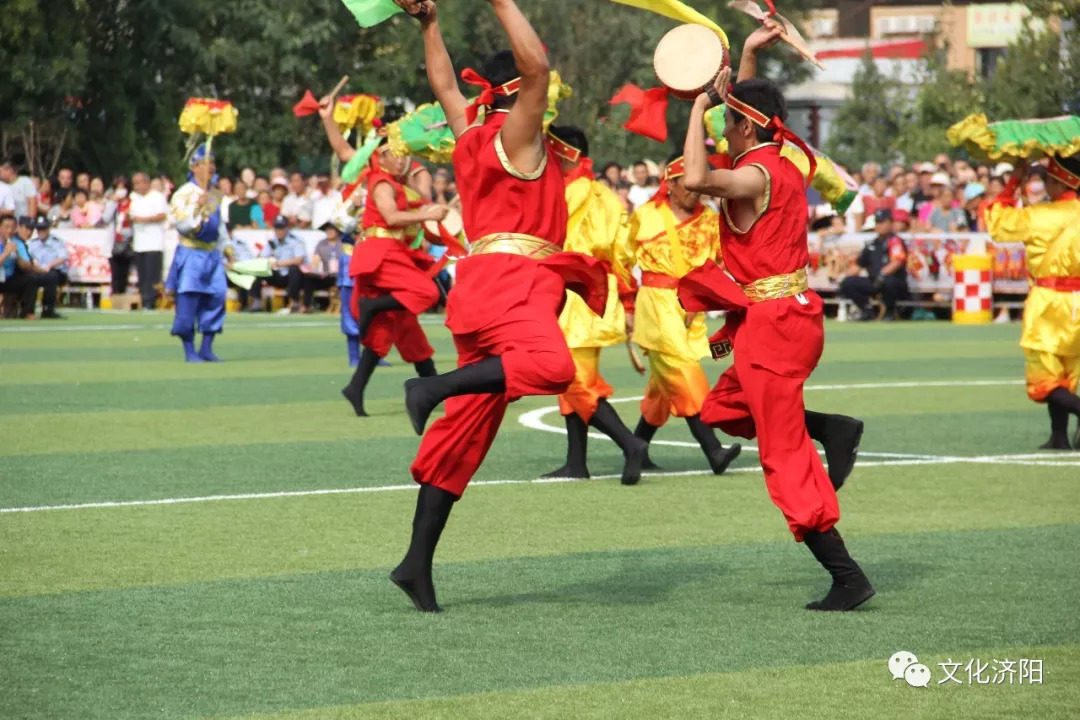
pixel 149 210
pixel 23 192
pixel 297 204
pixel 871 171
pixel 640 192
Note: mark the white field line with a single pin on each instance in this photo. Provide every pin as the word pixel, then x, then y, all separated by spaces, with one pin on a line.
pixel 393 488
pixel 533 419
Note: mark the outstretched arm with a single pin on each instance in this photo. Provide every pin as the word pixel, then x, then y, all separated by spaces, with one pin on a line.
pixel 745 182
pixel 522 133
pixel 338 143
pixel 440 69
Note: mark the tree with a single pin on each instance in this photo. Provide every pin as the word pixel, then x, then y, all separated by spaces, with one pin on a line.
pixel 866 125
pixel 43 67
pixel 942 98
pixel 1036 78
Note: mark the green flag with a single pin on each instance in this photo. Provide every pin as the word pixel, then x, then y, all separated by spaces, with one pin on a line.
pixel 371 12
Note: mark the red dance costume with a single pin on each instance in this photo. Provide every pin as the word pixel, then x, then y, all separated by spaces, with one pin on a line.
pixel 778 338
pixel 506 298
pixel 382 263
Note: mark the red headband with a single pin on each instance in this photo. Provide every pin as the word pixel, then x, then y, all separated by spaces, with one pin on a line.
pixel 564 149
pixel 775 123
pixel 1064 176
pixel 674 169
pixel 487 92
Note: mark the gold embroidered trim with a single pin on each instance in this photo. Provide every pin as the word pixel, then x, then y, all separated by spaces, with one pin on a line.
pixel 197 244
pixel 761 210
pixel 514 244
pixel 504 160
pixel 775 287
pixel 381 232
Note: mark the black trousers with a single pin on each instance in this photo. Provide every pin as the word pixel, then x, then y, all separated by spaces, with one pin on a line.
pixel 149 266
pixel 860 290
pixel 242 294
pixel 120 265
pixel 22 287
pixel 291 283
pixel 316 282
pixel 50 282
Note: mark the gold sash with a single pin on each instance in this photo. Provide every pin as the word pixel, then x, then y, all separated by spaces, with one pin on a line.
pixel 777 286
pixel 514 244
pixel 381 232
pixel 197 244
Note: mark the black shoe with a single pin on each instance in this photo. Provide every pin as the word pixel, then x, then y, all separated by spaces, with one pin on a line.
pixel 413 574
pixel 356 399
pixel 842 598
pixel 636 457
pixel 354 391
pixel 720 459
pixel 840 436
pixel 419 402
pixel 577 438
pixel 51 315
pixel 1058 442
pixel 421 592
pixel 645 431
pixel 850 587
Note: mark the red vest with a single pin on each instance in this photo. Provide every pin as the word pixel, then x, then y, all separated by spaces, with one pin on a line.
pixel 776 243
pixel 495 198
pixel 372 217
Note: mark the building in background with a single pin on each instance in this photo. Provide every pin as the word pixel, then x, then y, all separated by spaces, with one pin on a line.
pixel 897 33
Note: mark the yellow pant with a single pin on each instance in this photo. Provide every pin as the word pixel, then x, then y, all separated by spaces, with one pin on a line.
pixel 1046 372
pixel 676 387
pixel 588 386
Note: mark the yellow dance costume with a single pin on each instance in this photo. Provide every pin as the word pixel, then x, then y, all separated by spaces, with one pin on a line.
pixel 1051 334
pixel 665 250
pixel 597 227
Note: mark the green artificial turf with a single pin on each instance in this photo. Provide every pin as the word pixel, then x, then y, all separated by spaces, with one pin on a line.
pixel 681 597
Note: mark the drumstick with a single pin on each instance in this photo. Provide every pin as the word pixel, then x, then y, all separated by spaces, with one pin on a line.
pixel 634 359
pixel 803 50
pixel 341 83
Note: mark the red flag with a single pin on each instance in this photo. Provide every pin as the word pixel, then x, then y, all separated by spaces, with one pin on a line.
pixel 648 110
pixel 308 105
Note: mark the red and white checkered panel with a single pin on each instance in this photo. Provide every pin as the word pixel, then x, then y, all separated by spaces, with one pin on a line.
pixel 973 291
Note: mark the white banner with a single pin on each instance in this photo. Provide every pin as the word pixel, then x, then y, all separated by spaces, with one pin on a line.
pixel 929 264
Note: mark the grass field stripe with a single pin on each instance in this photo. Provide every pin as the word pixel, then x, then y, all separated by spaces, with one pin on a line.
pixel 393 488
pixel 284 324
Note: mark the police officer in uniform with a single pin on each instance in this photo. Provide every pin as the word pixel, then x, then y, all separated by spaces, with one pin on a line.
pixel 885 261
pixel 50 255
pixel 287 253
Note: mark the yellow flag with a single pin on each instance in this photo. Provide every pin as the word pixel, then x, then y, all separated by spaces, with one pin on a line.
pixel 677 11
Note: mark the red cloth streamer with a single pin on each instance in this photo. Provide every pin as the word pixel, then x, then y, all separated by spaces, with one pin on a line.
pixel 648 111
pixel 308 105
pixel 485 98
pixel 453 247
pixel 583 170
pixel 783 133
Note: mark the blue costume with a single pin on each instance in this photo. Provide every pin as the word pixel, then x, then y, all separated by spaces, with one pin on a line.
pixel 345 288
pixel 197 274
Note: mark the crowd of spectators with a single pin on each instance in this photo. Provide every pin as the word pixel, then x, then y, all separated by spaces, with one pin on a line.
pixel 943 196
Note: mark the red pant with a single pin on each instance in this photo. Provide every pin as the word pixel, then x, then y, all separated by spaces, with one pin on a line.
pixel 535 360
pixel 776 348
pixel 398 328
pixel 384 265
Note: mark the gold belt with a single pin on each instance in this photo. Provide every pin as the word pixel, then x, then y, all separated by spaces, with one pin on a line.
pixel 514 244
pixel 777 286
pixel 197 244
pixel 381 232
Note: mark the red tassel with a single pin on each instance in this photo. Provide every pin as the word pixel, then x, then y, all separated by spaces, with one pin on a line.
pixel 648 111
pixel 308 105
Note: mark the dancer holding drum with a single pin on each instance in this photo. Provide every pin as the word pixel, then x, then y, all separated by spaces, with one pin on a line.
pixel 776 321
